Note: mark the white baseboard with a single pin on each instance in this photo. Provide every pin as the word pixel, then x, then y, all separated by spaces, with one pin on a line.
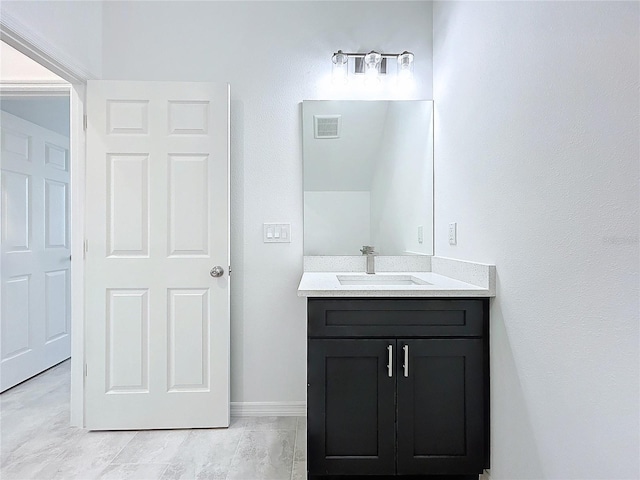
pixel 268 409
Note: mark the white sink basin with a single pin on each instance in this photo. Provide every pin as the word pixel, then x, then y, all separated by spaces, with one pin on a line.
pixel 380 280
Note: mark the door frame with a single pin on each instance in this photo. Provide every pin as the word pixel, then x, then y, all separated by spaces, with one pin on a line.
pixel 34 46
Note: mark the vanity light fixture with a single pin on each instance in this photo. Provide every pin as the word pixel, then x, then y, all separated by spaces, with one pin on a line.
pixel 372 65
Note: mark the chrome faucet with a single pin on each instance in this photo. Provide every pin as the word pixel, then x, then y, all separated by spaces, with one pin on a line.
pixel 368 251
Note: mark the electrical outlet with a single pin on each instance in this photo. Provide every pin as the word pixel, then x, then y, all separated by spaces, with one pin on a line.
pixel 453 233
pixel 420 234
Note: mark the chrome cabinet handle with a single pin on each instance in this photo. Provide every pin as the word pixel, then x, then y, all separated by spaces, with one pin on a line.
pixel 217 271
pixel 406 360
pixel 390 364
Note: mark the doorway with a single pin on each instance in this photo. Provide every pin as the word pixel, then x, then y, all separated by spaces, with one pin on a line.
pixel 35 262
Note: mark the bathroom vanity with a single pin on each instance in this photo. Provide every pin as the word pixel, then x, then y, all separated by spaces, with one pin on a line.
pixel 398 357
pixel 398 373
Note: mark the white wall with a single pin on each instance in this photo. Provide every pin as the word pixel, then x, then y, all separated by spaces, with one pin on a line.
pixel 16 67
pixel 537 159
pixel 274 54
pixel 71 30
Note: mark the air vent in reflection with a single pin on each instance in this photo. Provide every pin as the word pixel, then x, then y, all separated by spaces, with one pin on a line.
pixel 327 126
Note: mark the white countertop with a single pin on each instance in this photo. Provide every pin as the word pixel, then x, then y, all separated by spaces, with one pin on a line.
pixel 326 284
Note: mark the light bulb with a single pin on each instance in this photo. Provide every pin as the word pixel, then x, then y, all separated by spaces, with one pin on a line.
pixel 371 64
pixel 405 68
pixel 340 67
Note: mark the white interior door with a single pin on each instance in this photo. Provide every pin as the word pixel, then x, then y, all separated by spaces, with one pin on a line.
pixel 35 326
pixel 157 222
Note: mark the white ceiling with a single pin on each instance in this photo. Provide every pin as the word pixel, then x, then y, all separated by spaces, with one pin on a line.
pixel 51 113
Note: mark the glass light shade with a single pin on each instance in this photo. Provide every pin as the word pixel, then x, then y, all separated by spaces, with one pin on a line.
pixel 339 70
pixel 371 64
pixel 405 67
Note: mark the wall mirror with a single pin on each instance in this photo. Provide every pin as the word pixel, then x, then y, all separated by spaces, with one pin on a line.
pixel 368 176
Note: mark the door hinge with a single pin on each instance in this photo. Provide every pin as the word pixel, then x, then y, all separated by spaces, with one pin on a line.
pixel 86 249
pixel 86 369
pixel 84 122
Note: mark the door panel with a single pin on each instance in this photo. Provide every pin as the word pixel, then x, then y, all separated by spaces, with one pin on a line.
pixel 127 339
pixel 157 223
pixel 55 210
pixel 15 188
pixel 189 211
pixel 128 205
pixel 35 260
pixel 56 286
pixel 56 157
pixel 351 408
pixel 189 348
pixel 440 407
pixel 17 323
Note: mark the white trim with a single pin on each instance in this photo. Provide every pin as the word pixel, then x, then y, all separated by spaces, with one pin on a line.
pixel 36 90
pixel 268 409
pixel 34 46
pixel 78 166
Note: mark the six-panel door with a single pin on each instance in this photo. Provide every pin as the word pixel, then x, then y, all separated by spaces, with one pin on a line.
pixel 35 258
pixel 157 322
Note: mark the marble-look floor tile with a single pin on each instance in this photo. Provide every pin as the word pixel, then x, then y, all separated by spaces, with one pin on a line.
pixel 301 423
pixel 49 379
pixel 90 455
pixel 265 455
pixel 299 470
pixel 152 446
pixel 268 423
pixel 25 413
pixel 48 441
pixel 300 453
pixel 35 391
pixel 36 466
pixel 133 471
pixel 14 434
pixel 39 407
pixel 237 423
pixel 205 454
pixel 37 442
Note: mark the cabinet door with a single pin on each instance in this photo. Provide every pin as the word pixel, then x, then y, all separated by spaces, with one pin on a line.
pixel 440 407
pixel 351 407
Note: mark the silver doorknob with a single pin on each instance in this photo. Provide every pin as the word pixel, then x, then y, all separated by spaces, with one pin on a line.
pixel 217 271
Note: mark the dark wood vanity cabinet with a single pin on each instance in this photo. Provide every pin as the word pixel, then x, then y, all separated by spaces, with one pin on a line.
pixel 397 387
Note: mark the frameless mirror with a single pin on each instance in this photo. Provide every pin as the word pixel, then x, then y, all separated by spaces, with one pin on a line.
pixel 368 176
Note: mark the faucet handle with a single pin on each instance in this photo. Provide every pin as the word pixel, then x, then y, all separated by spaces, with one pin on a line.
pixel 367 250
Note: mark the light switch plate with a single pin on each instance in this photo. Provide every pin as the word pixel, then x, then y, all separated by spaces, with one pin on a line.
pixel 453 233
pixel 277 233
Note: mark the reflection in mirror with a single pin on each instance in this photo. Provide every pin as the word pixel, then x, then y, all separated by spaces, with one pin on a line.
pixel 368 177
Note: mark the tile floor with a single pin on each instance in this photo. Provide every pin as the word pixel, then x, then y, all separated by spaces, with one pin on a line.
pixel 36 442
